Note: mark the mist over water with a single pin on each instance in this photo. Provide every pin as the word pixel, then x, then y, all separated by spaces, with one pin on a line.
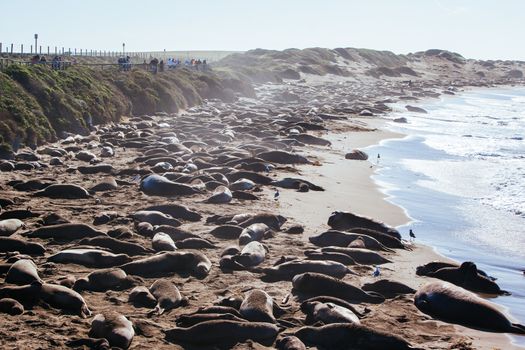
pixel 460 174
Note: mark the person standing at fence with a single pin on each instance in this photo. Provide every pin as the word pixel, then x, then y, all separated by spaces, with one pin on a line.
pixel 161 66
pixel 153 65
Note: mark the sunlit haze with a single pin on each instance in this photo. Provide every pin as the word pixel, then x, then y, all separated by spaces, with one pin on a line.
pixel 474 28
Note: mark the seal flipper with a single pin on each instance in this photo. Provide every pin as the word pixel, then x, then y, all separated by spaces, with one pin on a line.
pixel 517 328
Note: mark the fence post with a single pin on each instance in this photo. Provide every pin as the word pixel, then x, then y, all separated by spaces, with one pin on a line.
pixel 0 47
pixel 69 51
pixel 48 50
pixel 21 49
pixel 75 51
pixel 31 49
pixel 56 51
pixel 40 49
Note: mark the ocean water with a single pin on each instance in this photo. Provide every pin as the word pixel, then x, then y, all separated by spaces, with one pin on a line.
pixel 460 175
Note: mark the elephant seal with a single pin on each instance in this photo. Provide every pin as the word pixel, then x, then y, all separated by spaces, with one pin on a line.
pixel 226 232
pixel 194 243
pixel 167 295
pixel 257 306
pixel 20 214
pixel 336 301
pixel 221 195
pixel 317 284
pixel 141 296
pixel 194 263
pixel 254 232
pixel 8 244
pixel 327 313
pixel 10 226
pixel 116 245
pixel 162 242
pixel 344 239
pixel 345 221
pixel 447 302
pixel 351 336
pixel 296 184
pixel 192 319
pixel 63 191
pixel 108 184
pixel 252 254
pixel 467 276
pixel 22 272
pixel 360 255
pixel 387 288
pixel 89 257
pixel 242 184
pixel 155 218
pixel 113 327
pixel 11 307
pixel 65 232
pixel 63 298
pixel 156 185
pixel 290 342
pixel 282 157
pixel 105 279
pixel 289 269
pixel 272 221
pixel 433 266
pixel 177 211
pixel 224 333
pixel 323 256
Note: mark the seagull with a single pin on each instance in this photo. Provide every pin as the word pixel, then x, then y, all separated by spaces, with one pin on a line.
pixel 412 235
pixel 377 272
pixel 276 195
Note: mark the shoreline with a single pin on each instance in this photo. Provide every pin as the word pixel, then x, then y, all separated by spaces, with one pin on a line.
pixel 361 183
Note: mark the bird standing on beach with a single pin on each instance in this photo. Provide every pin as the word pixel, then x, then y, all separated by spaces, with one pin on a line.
pixel 378 157
pixel 377 272
pixel 412 235
pixel 276 195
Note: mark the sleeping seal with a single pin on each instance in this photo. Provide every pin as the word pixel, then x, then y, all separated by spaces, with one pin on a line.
pixel 22 272
pixel 105 279
pixel 10 226
pixel 317 284
pixel 289 269
pixel 453 304
pixel 156 185
pixel 193 262
pixel 254 232
pixel 66 232
pixel 224 333
pixel 167 295
pixel 327 313
pixel 89 257
pixel 63 191
pixel 252 254
pixel 115 328
pixel 351 336
pixel 11 307
pixel 8 244
pixel 340 220
pixel 257 306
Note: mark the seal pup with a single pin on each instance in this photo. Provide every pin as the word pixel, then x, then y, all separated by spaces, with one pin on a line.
pixel 467 276
pixel 226 232
pixel 345 221
pixel 360 255
pixel 257 306
pixel 221 195
pixel 224 333
pixel 254 232
pixel 387 288
pixel 22 272
pixel 63 298
pixel 195 243
pixel 344 239
pixel 177 211
pixel 141 296
pixel 113 327
pixel 338 257
pixel 115 245
pixel 89 257
pixel 290 342
pixel 63 191
pixel 105 279
pixel 252 254
pixel 157 185
pixel 10 226
pixel 8 244
pixel 447 302
pixel 155 218
pixel 11 307
pixel 327 313
pixel 433 266
pixel 162 242
pixel 191 262
pixel 287 270
pixel 65 232
pixel 167 294
pixel 192 319
pixel 316 284
pixel 351 336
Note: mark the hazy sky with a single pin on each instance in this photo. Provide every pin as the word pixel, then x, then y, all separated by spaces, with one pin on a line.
pixel 475 28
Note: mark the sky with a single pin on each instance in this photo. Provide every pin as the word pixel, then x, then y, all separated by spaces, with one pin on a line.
pixel 482 29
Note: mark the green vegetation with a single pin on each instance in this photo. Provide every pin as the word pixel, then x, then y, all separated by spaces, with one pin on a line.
pixel 38 104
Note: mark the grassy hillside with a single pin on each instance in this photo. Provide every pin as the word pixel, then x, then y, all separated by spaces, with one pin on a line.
pixel 38 104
